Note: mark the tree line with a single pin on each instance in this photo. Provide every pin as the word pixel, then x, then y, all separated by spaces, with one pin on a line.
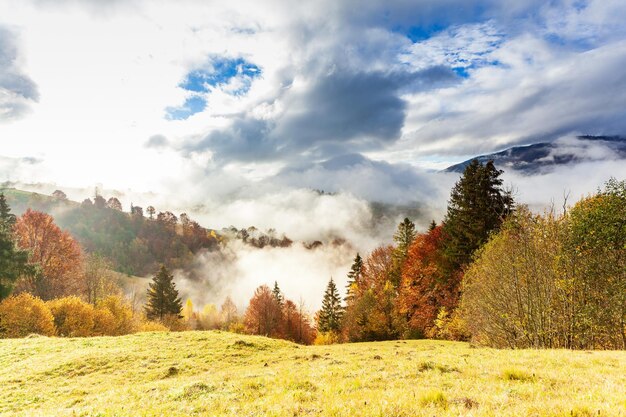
pixel 494 273
pixel 491 272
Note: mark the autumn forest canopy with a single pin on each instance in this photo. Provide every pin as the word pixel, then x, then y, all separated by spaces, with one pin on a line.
pixel 492 272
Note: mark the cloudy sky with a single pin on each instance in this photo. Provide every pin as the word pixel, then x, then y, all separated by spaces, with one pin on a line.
pixel 208 98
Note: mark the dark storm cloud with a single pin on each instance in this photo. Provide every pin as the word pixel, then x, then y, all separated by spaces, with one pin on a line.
pixel 17 90
pixel 337 112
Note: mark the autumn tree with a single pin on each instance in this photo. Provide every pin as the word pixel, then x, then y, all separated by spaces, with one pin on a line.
pixel 228 312
pixel 100 281
pixel 13 260
pixel 263 315
pixel 162 297
pixel 114 203
pixel 99 201
pixel 512 292
pixel 478 205
pixel 329 317
pixel 23 314
pixel 188 310
pixel 298 326
pixel 596 249
pixel 425 287
pixel 59 195
pixel 56 253
pixel 373 312
pixel 136 211
pixel 151 210
pixel 210 318
pixel 354 275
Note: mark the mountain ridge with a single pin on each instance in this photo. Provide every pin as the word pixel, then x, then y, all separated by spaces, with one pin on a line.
pixel 542 157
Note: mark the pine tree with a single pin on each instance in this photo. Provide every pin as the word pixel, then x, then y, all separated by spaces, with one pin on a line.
pixel 163 297
pixel 403 237
pixel 13 260
pixel 478 205
pixel 329 318
pixel 278 295
pixel 353 278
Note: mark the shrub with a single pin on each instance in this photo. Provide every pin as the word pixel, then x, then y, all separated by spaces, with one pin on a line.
pixel 72 317
pixel 326 338
pixel 152 326
pixel 237 327
pixel 23 315
pixel 103 323
pixel 122 314
pixel 175 323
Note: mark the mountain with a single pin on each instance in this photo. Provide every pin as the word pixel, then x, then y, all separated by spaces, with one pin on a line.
pixel 545 156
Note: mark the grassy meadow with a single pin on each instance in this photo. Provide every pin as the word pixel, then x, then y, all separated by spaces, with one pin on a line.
pixel 219 373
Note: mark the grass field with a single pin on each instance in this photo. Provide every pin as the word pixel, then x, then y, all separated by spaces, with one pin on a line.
pixel 217 373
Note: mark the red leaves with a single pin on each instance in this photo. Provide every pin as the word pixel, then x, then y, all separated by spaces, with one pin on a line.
pixel 56 252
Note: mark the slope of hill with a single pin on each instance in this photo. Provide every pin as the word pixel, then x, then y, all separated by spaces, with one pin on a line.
pixel 133 243
pixel 225 374
pixel 540 157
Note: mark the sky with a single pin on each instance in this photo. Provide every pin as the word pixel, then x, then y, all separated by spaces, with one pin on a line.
pixel 141 94
pixel 236 110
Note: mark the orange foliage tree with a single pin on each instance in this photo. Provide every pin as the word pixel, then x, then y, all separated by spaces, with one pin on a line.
pixel 297 325
pixel 57 254
pixel 425 287
pixel 263 316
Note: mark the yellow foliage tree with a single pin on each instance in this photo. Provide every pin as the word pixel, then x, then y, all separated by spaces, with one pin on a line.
pixel 123 320
pixel 72 317
pixel 24 314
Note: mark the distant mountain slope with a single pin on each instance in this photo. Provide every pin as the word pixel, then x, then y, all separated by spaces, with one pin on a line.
pixel 542 157
pixel 134 244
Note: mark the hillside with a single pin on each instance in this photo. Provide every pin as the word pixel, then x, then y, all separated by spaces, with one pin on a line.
pixel 217 373
pixel 544 156
pixel 134 244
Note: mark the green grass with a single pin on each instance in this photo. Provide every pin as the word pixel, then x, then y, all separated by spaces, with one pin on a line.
pixel 218 373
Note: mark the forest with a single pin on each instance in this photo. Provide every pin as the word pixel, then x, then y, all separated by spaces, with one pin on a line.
pixel 491 272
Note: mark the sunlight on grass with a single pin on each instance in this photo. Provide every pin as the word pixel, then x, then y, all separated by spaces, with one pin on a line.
pixel 225 374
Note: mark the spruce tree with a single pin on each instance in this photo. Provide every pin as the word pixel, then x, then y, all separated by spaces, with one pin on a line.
pixel 163 297
pixel 478 205
pixel 278 295
pixel 329 318
pixel 353 277
pixel 403 237
pixel 13 261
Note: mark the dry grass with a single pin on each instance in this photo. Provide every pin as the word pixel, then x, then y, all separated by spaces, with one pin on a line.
pixel 217 373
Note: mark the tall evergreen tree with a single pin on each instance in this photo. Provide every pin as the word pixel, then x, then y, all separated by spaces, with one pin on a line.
pixel 403 237
pixel 163 297
pixel 353 277
pixel 278 295
pixel 329 318
pixel 13 260
pixel 478 205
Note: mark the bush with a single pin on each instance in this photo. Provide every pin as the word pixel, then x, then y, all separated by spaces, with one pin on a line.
pixel 103 323
pixel 175 323
pixel 152 326
pixel 23 315
pixel 237 327
pixel 326 338
pixel 72 317
pixel 122 315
